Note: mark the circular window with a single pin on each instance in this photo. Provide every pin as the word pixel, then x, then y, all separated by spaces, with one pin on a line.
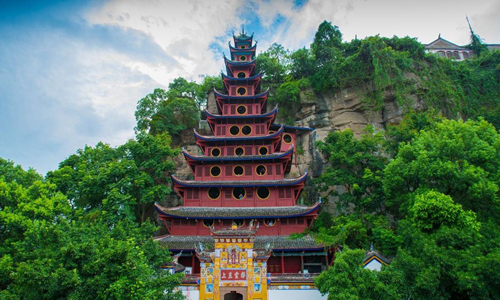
pixel 263 192
pixel 214 193
pixel 243 47
pixel 246 130
pixel 242 109
pixel 215 171
pixel 287 138
pixel 239 223
pixel 270 222
pixel 239 151
pixel 242 75
pixel 263 150
pixel 261 170
pixel 215 152
pixel 243 58
pixel 208 223
pixel 234 130
pixel 239 193
pixel 241 91
pixel 238 170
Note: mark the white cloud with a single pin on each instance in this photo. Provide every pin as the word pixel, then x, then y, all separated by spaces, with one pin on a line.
pixel 68 91
pixel 185 30
pixel 424 19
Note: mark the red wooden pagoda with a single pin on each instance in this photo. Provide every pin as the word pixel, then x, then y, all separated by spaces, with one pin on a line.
pixel 239 177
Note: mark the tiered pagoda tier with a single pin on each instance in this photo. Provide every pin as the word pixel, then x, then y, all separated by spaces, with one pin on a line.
pixel 240 178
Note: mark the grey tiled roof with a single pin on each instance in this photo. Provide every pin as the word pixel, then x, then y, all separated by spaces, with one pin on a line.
pixel 277 243
pixel 184 242
pixel 237 232
pixel 293 278
pixel 237 212
pixel 377 254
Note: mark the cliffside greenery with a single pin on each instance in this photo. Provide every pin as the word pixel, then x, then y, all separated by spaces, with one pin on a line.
pixel 433 209
pixel 383 68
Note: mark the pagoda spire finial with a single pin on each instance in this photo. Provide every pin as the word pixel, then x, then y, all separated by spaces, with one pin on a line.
pixel 242 29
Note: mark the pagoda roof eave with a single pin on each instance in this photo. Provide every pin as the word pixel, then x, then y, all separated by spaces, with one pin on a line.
pixel 203 158
pixel 278 243
pixel 223 96
pixel 230 213
pixel 206 138
pixel 243 39
pixel 229 78
pixel 217 116
pixel 253 48
pixel 249 183
pixel 237 63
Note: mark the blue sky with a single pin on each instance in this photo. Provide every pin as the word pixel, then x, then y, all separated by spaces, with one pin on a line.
pixel 71 72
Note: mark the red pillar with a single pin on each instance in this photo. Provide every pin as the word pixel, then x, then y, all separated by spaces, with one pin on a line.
pixel 302 263
pixel 282 262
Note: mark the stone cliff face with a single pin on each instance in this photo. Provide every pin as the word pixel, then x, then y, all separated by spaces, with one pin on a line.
pixel 346 109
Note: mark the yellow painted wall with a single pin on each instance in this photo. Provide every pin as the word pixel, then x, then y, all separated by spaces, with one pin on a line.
pixel 256 271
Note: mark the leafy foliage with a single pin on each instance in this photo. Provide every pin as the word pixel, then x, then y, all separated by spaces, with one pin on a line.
pixel 442 190
pixel 176 109
pixel 386 68
pixel 356 165
pixel 119 183
pixel 75 254
pixel 459 159
pixel 351 280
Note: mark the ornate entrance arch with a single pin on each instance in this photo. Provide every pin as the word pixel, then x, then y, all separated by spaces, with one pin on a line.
pixel 233 293
pixel 233 296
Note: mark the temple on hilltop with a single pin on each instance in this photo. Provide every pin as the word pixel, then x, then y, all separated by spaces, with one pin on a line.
pixel 231 236
pixel 447 49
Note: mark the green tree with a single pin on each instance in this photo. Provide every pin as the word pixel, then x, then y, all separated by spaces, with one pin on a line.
pixel 50 251
pixel 327 43
pixel 181 88
pixel 150 183
pixel 120 183
pixel 443 255
pixel 147 108
pixel 347 279
pixel 408 129
pixel 459 159
pixel 175 116
pixel 176 109
pixel 302 64
pixel 208 84
pixel 357 166
pixel 432 210
pixel 273 64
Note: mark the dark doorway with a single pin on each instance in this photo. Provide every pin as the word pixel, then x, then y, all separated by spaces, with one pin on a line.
pixel 233 296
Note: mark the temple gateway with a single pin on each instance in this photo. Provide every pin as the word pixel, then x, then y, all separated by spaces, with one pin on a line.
pixel 231 236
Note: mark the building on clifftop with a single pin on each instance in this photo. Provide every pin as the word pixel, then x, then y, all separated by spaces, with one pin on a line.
pixel 232 232
pixel 447 49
